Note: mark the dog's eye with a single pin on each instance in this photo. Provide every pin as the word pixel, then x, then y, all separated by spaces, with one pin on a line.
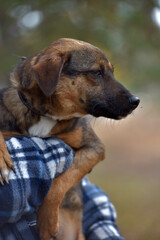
pixel 98 73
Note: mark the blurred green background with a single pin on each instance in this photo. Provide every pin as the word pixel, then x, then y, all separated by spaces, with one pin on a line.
pixel 129 33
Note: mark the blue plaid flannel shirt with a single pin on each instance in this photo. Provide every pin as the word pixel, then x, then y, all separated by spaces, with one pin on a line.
pixel 37 162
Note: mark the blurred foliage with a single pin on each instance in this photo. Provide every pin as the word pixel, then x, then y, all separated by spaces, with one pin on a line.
pixel 124 29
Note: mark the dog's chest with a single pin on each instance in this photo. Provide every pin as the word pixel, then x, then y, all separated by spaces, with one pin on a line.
pixel 42 128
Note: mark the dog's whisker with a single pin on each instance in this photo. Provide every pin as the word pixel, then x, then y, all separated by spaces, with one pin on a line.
pixel 111 123
pixel 93 121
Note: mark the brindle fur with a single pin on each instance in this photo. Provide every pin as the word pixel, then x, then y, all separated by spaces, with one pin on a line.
pixel 64 82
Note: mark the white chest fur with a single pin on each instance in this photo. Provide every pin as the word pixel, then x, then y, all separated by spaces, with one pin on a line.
pixel 42 128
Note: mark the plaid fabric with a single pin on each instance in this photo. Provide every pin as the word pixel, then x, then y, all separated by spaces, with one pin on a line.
pixel 37 162
pixel 99 221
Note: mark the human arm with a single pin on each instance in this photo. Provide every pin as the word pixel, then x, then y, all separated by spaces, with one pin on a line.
pixel 99 221
pixel 37 162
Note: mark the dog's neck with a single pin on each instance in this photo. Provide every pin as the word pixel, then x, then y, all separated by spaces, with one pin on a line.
pixel 18 117
pixel 29 105
pixel 42 128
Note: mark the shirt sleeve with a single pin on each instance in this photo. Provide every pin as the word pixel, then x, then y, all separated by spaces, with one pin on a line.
pixel 99 221
pixel 37 162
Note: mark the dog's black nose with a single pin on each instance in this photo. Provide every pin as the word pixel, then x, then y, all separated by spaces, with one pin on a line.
pixel 134 101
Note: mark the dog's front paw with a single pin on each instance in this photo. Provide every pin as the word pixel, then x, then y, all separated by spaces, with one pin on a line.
pixel 47 222
pixel 6 164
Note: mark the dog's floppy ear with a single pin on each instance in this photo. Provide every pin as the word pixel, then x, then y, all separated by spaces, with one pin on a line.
pixel 48 71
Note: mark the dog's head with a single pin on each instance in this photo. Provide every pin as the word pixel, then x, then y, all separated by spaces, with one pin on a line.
pixel 72 78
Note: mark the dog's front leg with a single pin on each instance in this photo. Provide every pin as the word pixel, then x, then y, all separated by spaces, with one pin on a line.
pixel 85 159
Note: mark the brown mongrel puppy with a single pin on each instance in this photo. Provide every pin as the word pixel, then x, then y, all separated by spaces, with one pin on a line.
pixel 50 94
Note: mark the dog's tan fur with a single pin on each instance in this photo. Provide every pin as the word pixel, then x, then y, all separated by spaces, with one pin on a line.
pixel 55 89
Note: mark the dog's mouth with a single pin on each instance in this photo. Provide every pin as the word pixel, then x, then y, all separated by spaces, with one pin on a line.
pixel 101 111
pixel 112 111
